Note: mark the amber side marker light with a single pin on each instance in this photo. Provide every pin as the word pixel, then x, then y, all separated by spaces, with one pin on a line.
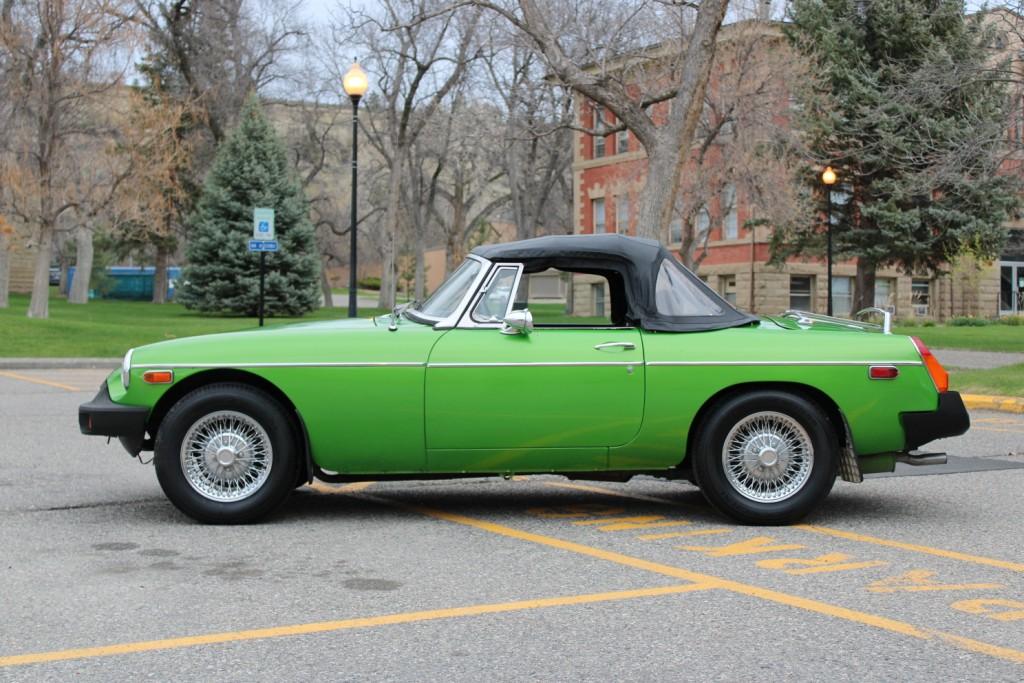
pixel 939 375
pixel 158 376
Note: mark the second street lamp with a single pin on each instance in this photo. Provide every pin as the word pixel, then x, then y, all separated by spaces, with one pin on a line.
pixel 356 84
pixel 828 178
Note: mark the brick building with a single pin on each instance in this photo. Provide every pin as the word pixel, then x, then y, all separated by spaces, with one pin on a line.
pixel 608 174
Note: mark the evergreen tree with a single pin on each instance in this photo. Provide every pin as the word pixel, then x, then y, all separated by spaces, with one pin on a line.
pixel 902 103
pixel 251 170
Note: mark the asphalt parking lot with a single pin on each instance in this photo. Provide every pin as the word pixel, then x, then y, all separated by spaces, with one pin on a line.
pixel 916 577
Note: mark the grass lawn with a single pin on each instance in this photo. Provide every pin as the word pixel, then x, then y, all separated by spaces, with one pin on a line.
pixel 988 338
pixel 1005 381
pixel 106 329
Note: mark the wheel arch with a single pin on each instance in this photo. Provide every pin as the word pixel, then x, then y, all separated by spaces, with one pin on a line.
pixel 805 391
pixel 217 375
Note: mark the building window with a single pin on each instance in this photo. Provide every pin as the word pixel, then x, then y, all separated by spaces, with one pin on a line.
pixel 675 231
pixel 842 296
pixel 597 207
pixel 727 288
pixel 730 223
pixel 920 295
pixel 597 294
pixel 622 214
pixel 598 139
pixel 801 288
pixel 884 293
pixel 622 142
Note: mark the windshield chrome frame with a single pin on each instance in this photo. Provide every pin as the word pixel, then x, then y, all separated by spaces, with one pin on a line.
pixel 453 319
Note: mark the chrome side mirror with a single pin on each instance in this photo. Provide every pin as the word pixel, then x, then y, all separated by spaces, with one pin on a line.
pixel 518 322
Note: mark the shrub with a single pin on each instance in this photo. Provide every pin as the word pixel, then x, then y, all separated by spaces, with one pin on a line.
pixel 905 322
pixel 967 321
pixel 928 323
pixel 1012 320
pixel 370 283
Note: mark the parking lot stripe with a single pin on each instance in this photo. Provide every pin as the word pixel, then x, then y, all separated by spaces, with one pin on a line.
pixel 344 624
pixel 345 488
pixel 711 581
pixel 838 533
pixel 927 550
pixel 36 380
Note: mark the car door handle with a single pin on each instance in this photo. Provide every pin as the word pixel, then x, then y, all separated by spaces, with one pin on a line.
pixel 607 346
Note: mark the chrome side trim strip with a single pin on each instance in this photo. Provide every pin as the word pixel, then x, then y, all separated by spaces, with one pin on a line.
pixel 782 362
pixel 358 364
pixel 552 364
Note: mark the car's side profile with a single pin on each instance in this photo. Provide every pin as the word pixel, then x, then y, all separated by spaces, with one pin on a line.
pixel 650 372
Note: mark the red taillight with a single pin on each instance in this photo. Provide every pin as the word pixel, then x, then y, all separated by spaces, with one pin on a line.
pixel 883 372
pixel 939 375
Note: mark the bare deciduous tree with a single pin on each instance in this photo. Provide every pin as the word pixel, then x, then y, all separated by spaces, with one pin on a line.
pixel 62 57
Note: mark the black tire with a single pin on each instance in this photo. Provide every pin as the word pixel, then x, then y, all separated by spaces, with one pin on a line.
pixel 273 483
pixel 809 488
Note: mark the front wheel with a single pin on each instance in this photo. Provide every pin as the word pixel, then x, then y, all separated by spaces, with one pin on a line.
pixel 226 454
pixel 766 457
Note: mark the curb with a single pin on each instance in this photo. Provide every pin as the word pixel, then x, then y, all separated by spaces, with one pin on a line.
pixel 1004 404
pixel 59 363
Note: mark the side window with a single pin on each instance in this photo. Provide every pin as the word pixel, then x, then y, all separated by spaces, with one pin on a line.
pixel 493 305
pixel 559 298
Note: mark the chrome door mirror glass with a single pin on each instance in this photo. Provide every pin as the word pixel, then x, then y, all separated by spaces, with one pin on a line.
pixel 518 322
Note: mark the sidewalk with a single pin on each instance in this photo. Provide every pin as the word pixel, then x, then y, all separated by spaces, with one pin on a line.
pixel 59 363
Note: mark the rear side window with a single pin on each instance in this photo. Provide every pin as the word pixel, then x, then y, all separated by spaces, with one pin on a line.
pixel 677 296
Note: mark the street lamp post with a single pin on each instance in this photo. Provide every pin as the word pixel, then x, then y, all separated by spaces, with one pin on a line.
pixel 355 84
pixel 828 177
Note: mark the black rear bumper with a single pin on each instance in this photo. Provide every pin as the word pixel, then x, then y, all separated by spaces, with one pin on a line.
pixel 950 419
pixel 103 417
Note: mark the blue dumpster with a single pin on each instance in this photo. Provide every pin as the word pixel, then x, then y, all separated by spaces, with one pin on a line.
pixel 133 283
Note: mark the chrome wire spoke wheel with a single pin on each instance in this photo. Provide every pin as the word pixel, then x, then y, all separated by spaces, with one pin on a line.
pixel 226 456
pixel 767 457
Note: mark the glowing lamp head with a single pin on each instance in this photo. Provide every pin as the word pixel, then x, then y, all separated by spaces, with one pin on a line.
pixel 355 81
pixel 828 176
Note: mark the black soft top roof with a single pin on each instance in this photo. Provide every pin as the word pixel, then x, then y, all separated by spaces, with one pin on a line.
pixel 628 262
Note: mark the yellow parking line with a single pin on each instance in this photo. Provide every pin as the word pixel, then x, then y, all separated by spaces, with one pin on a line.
pixel 342 625
pixel 838 533
pixel 996 429
pixel 927 550
pixel 352 487
pixel 710 581
pixel 36 380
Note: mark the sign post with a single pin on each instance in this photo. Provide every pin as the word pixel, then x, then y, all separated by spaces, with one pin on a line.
pixel 262 241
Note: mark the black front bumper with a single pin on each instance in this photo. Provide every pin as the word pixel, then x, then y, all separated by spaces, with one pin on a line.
pixel 103 417
pixel 950 419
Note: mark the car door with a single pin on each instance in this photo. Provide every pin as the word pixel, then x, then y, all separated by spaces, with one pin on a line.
pixel 553 399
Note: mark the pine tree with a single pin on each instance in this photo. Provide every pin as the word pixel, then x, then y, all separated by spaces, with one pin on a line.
pixel 902 103
pixel 250 170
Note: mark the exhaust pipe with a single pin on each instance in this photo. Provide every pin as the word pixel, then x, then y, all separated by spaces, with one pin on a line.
pixel 917 458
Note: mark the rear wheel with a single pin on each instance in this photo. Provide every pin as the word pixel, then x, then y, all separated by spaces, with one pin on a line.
pixel 766 457
pixel 226 454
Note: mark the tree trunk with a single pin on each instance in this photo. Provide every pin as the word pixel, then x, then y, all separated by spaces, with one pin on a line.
pixel 160 276
pixel 386 298
pixel 669 150
pixel 5 269
pixel 325 286
pixel 420 287
pixel 39 306
pixel 83 266
pixel 63 263
pixel 864 286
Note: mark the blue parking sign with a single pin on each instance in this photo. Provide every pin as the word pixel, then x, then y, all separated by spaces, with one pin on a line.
pixel 263 224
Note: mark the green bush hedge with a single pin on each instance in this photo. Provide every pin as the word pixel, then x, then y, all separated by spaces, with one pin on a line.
pixel 370 283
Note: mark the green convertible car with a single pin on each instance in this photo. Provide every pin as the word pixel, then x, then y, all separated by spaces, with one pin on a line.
pixel 594 357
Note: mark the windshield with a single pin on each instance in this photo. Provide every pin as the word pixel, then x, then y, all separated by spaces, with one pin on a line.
pixel 677 295
pixel 446 299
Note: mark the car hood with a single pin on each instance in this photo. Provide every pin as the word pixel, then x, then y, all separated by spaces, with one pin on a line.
pixel 321 342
